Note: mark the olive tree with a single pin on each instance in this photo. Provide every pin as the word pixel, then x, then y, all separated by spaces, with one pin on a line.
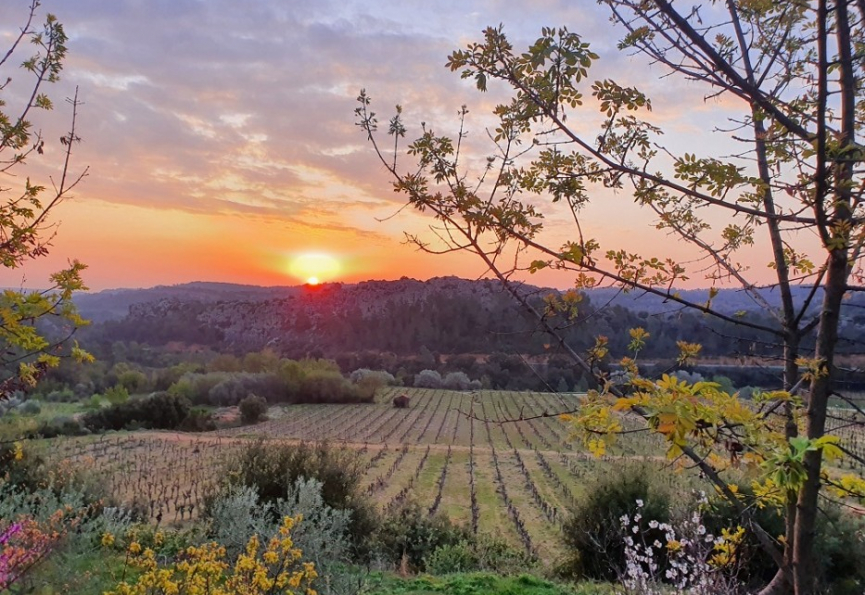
pixel 793 72
pixel 27 349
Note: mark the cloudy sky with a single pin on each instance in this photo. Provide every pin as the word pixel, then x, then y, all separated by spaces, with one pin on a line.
pixel 221 142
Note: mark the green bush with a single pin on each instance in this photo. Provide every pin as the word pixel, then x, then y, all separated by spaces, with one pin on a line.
pixel 117 394
pixel 840 550
pixel 198 420
pixel 409 534
pixel 162 411
pixel 59 426
pixel 593 534
pixel 273 469
pixel 480 553
pixel 31 407
pixel 252 409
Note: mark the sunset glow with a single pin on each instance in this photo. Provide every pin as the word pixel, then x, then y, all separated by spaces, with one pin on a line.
pixel 315 268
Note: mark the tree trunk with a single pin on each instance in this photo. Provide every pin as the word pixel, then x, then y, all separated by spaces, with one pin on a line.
pixel 804 568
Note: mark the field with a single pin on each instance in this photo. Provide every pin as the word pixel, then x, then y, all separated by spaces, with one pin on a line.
pixel 447 451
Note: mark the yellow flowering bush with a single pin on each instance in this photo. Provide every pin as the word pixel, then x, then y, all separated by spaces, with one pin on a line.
pixel 271 568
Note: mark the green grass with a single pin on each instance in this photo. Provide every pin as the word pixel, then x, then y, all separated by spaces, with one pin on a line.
pixel 477 584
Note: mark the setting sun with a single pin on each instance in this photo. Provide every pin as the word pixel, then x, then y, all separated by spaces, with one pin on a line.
pixel 315 268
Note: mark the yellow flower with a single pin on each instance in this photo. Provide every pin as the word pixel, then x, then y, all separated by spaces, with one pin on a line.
pixel 17 451
pixel 134 548
pixel 107 540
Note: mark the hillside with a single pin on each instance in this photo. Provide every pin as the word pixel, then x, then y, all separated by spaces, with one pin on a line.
pixel 445 315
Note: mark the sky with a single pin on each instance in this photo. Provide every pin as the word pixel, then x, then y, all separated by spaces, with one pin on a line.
pixel 221 144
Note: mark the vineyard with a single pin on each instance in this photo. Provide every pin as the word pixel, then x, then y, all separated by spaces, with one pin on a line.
pixel 446 451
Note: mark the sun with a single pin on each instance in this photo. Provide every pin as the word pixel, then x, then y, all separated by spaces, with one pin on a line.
pixel 314 267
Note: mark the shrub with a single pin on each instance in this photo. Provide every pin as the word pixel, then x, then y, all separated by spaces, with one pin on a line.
pixel 456 381
pixel 64 395
pixel 264 567
pixel 369 381
pixel 274 468
pixel 237 514
pixel 198 420
pixel 839 551
pixel 327 386
pixel 408 533
pixel 252 409
pixel 162 411
pixel 428 379
pixel 383 376
pixel 237 387
pixel 480 553
pixel 31 407
pixel 59 426
pixel 117 394
pixel 593 534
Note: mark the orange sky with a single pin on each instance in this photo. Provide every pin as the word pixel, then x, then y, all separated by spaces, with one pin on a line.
pixel 221 143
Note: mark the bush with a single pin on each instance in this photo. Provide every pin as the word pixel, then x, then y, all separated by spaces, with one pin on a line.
pixel 31 407
pixel 59 426
pixel 369 381
pixel 382 376
pixel 840 545
pixel 840 550
pixel 64 395
pixel 198 420
pixel 237 387
pixel 162 411
pixel 327 386
pixel 481 553
pixel 456 381
pixel 428 379
pixel 323 534
pixel 409 534
pixel 252 409
pixel 272 469
pixel 593 534
pixel 117 394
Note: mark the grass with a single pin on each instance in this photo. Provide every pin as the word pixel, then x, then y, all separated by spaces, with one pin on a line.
pixel 477 584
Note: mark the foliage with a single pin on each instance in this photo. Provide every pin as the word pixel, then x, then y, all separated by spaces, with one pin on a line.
pixel 61 425
pixel 428 379
pixel 46 512
pixel 478 583
pixel 686 556
pixel 236 515
pixel 158 411
pixel 459 381
pixel 409 535
pixel 274 567
pixel 27 346
pixel 252 409
pixel 273 469
pixel 592 533
pixel 481 552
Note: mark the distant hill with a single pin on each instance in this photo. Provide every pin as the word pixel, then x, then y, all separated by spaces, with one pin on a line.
pixel 443 314
pixel 114 304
